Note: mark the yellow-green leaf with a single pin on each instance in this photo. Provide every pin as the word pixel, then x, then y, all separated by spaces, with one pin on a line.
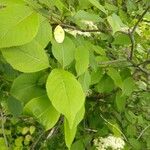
pixel 65 93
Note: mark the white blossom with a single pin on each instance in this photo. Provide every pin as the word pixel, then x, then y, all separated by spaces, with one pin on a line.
pixel 75 32
pixel 115 143
pixel 91 26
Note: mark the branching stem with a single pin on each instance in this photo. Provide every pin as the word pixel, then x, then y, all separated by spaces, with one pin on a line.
pixel 131 33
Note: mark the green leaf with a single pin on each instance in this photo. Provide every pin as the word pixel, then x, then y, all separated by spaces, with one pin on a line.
pixel 26 87
pixel 115 129
pixel 32 54
pixel 115 22
pixel 9 73
pixel 70 132
pixel 82 59
pixel 64 52
pixel 131 117
pixel 120 101
pixel 11 2
pixel 125 73
pixel 98 5
pixel 105 85
pixel 96 76
pixel 114 74
pixel 121 39
pixel 131 130
pixel 111 7
pixel 78 145
pixel 84 4
pixel 15 107
pixel 93 63
pixel 28 58
pixel 58 3
pixel 99 50
pixel 79 116
pixel 137 145
pixel 44 35
pixel 19 26
pixel 128 86
pixel 65 93
pixel 84 15
pixel 42 109
pixel 85 80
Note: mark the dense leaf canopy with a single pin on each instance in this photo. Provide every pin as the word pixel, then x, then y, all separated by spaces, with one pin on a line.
pixel 78 69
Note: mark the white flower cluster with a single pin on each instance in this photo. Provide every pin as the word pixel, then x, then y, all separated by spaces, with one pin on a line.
pixel 90 25
pixel 115 143
pixel 75 32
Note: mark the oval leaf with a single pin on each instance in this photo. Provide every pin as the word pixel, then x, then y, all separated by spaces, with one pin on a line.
pixel 44 35
pixel 42 109
pixel 82 59
pixel 19 25
pixel 59 34
pixel 128 86
pixel 115 23
pixel 65 93
pixel 114 74
pixel 30 57
pixel 26 87
pixel 64 52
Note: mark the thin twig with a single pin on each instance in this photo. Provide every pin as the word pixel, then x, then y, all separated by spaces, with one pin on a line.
pixel 131 33
pixel 133 64
pixel 112 62
pixel 55 129
pixel 139 68
pixel 51 133
pixel 143 132
pixel 57 21
pixel 139 20
pixel 146 62
pixel 90 130
pixel 3 129
pixel 72 27
pixel 38 139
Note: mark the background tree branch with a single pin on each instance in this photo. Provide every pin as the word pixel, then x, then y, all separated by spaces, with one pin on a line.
pixel 132 31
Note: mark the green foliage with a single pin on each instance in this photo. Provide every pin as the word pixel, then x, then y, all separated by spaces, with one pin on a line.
pixel 25 87
pixel 81 57
pixel 115 22
pixel 97 4
pixel 43 111
pixel 34 52
pixel 64 52
pixel 93 84
pixel 11 28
